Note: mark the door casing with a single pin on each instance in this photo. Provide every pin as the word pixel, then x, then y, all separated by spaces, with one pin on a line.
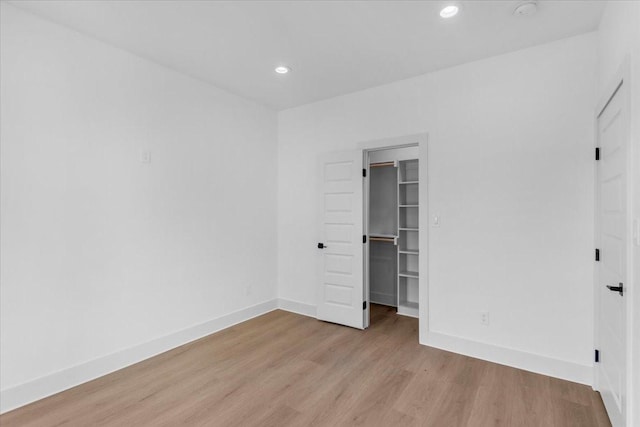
pixel 420 140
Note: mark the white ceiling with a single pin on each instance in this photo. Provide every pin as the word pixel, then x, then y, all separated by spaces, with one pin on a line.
pixel 333 47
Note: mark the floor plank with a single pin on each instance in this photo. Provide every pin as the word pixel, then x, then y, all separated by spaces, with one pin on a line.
pixel 283 369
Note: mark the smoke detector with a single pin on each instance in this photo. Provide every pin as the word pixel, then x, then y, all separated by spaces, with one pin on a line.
pixel 526 8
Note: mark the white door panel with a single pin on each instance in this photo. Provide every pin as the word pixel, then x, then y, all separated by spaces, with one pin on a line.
pixel 340 277
pixel 612 239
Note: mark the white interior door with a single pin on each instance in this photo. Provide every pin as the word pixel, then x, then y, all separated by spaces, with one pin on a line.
pixel 340 278
pixel 612 268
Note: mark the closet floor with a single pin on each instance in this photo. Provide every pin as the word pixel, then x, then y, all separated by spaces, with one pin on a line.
pixel 283 369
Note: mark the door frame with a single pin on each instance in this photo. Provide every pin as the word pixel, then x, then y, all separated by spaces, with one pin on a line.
pixel 421 141
pixel 620 85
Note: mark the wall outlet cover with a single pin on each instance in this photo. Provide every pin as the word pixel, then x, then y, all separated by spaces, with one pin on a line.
pixel 484 318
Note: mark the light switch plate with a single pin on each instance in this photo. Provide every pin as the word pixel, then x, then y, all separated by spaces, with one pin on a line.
pixel 145 156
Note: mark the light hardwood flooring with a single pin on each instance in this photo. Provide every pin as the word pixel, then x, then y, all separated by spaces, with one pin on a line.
pixel 283 369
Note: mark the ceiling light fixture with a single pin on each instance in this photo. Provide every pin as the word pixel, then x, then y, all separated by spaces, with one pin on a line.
pixel 449 11
pixel 282 69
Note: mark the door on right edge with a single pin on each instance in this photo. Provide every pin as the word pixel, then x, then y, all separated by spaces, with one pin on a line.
pixel 612 217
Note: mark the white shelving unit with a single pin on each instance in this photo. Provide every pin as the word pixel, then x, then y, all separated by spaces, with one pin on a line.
pixel 408 253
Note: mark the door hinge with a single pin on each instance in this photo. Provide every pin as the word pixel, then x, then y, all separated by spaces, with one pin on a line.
pixel 597 254
pixel 597 356
pixel 597 153
pixel 364 305
pixel 364 173
pixel 364 239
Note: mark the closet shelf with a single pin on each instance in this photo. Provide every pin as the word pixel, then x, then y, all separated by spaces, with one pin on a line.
pixel 408 182
pixel 383 164
pixel 409 251
pixel 383 236
pixel 383 240
pixel 413 274
pixel 408 206
pixel 408 229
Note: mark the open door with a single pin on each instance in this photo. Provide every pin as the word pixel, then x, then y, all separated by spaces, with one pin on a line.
pixel 612 236
pixel 340 278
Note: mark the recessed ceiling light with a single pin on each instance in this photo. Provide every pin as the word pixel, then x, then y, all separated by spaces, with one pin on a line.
pixel 449 11
pixel 282 69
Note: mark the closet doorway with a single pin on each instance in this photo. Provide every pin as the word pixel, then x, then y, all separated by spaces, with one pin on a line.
pixel 391 223
pixel 372 234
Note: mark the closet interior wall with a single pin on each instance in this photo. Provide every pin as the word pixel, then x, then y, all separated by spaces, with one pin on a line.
pixel 383 226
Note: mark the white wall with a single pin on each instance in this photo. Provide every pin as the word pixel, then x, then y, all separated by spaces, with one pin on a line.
pixel 100 252
pixel 619 38
pixel 511 174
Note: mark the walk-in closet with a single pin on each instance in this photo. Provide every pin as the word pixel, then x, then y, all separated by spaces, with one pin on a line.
pixel 392 228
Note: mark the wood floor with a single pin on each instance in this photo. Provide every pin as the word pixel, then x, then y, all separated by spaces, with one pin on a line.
pixel 283 369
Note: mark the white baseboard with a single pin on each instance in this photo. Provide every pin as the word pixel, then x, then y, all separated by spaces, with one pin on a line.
pixel 557 368
pixel 544 365
pixel 23 394
pixel 297 307
pixel 383 299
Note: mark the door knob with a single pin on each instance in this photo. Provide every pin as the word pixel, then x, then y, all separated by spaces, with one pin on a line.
pixel 322 246
pixel 618 289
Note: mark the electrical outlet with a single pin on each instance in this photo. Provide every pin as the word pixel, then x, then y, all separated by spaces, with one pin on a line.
pixel 484 318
